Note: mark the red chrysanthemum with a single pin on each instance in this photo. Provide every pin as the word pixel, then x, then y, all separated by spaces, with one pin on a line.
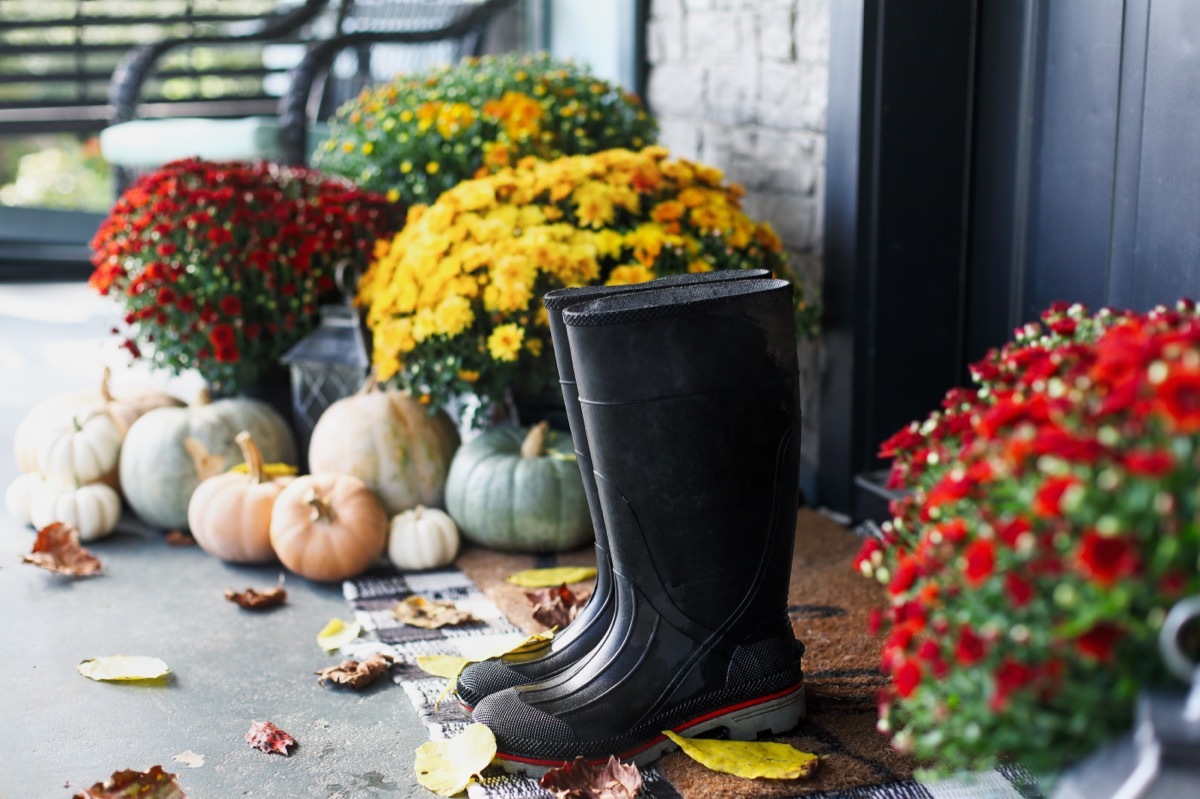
pixel 980 559
pixel 1106 559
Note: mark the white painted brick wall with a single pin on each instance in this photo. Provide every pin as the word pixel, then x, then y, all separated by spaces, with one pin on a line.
pixel 743 85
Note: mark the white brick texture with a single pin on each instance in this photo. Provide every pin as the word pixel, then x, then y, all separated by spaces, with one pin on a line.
pixel 743 85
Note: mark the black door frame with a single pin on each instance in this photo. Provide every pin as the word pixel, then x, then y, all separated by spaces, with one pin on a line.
pixel 896 229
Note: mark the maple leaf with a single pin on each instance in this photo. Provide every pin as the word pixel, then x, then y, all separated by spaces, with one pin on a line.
pixel 583 780
pixel 252 599
pixel 556 607
pixel 266 736
pixel 356 674
pixel 130 784
pixel 57 549
pixel 417 611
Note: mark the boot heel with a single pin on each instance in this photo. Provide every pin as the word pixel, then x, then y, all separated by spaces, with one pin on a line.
pixel 772 716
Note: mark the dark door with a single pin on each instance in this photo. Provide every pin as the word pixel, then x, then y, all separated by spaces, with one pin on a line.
pixel 1086 173
pixel 1062 163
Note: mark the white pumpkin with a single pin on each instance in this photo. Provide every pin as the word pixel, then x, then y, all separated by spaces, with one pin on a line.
pixel 84 449
pixel 124 408
pixel 93 509
pixel 20 493
pixel 169 451
pixel 422 538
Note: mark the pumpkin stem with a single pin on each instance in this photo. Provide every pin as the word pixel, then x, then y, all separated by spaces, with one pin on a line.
pixel 370 384
pixel 322 509
pixel 205 463
pixel 534 445
pixel 253 456
pixel 203 398
pixel 106 385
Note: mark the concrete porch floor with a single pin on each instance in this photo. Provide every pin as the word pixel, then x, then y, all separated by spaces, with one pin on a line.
pixel 61 732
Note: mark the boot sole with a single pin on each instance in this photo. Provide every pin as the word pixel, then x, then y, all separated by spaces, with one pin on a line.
pixel 746 721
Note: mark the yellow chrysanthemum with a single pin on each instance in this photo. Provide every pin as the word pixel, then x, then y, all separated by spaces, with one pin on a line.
pixel 454 315
pixel 699 266
pixel 629 275
pixel 593 204
pixel 504 344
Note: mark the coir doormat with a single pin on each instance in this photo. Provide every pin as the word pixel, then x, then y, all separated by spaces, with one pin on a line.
pixel 829 604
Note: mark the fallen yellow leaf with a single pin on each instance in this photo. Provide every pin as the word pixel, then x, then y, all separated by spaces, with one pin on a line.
pixel 447 666
pixel 749 759
pixel 123 667
pixel 337 634
pixel 447 767
pixel 450 666
pixel 548 578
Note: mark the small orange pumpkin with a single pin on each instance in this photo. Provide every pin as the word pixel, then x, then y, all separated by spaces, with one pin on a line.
pixel 328 526
pixel 230 514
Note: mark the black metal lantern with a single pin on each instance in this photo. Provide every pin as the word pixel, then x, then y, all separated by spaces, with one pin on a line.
pixel 328 364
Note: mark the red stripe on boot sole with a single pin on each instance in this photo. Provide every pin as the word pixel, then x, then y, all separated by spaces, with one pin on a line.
pixel 533 761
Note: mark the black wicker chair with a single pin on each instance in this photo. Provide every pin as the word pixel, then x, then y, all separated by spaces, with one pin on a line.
pixel 348 45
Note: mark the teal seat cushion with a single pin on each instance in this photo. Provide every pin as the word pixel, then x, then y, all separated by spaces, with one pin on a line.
pixel 149 143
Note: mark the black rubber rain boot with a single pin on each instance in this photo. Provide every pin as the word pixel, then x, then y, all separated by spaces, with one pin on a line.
pixel 690 401
pixel 578 639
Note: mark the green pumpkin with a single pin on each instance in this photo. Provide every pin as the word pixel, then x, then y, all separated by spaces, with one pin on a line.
pixel 169 451
pixel 519 490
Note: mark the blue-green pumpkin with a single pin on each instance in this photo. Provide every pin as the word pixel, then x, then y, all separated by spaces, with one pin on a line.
pixel 519 490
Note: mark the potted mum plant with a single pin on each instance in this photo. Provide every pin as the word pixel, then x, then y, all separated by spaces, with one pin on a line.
pixel 454 300
pixel 1049 523
pixel 424 132
pixel 219 266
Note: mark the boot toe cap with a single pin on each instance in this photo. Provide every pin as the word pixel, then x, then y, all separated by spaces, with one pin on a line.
pixel 515 722
pixel 480 680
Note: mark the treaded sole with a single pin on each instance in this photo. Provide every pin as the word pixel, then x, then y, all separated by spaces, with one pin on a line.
pixel 745 721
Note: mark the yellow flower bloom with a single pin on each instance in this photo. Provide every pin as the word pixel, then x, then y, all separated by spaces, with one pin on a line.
pixel 593 205
pixel 534 345
pixel 468 375
pixel 505 342
pixel 699 266
pixel 454 315
pixel 406 167
pixel 368 148
pixel 628 275
pixel 432 167
pixel 393 195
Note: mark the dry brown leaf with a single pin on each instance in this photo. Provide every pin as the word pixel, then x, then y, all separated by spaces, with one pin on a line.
pixel 266 736
pixel 583 780
pixel 357 674
pixel 556 607
pixel 252 599
pixel 417 611
pixel 57 549
pixel 130 784
pixel 178 538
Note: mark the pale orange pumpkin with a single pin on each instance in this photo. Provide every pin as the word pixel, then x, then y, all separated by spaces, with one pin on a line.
pixel 328 526
pixel 230 514
pixel 391 442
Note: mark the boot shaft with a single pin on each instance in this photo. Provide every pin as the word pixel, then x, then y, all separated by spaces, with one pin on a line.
pixel 690 400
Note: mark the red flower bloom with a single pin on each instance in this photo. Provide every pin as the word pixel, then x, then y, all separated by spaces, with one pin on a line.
pixel 222 335
pixel 1098 643
pixel 1105 559
pixel 970 648
pixel 1148 463
pixel 1179 397
pixel 906 677
pixel 1048 500
pixel 1011 676
pixel 980 561
pixel 230 305
pixel 1019 590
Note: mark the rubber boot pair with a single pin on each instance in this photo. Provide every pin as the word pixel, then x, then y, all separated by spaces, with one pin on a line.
pixel 685 418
